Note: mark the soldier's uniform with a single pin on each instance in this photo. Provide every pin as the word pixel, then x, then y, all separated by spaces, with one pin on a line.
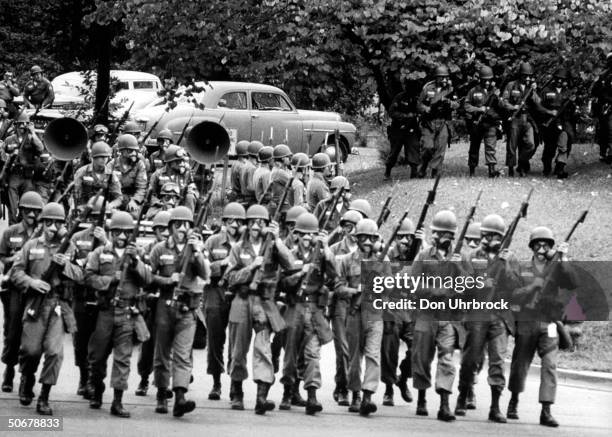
pixel 38 93
pixel 235 193
pixel 133 181
pixel 8 92
pixel 87 183
pixel 333 217
pixel 184 181
pixel 297 193
pixel 247 183
pixel 602 111
pixel 404 131
pixel 261 175
pixel 316 190
pixel 278 181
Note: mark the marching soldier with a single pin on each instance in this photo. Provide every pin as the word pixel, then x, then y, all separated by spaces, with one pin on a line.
pixel 100 133
pixel 169 197
pixel 8 92
pixel 300 163
pixel 242 154
pixel 472 236
pixel 481 105
pixel 157 158
pixel 43 331
pixel 176 170
pixel 216 301
pixel 116 273
pixel 289 225
pixel 435 106
pixel 38 92
pixel 90 178
pixel 13 239
pixel 133 174
pixel 602 111
pixel 318 186
pixel 261 175
pixel 341 207
pixel 246 175
pixel 404 132
pixel 279 176
pixel 179 301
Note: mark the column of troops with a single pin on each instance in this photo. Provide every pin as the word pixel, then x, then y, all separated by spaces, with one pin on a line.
pixel 284 267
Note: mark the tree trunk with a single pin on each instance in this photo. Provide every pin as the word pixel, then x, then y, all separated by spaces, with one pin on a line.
pixel 103 37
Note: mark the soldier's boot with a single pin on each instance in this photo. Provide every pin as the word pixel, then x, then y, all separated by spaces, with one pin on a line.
pixel 82 381
pixel 493 173
pixel 546 418
pixel 26 386
pixel 367 406
pixel 312 404
pixel 546 168
pixel 215 392
pixel 387 176
pixel 336 393
pixel 143 386
pixel 511 171
pixel 42 406
pixel 343 399
pixel 495 415
pixel 356 403
pixel 422 170
pixel 262 403
pixel 96 400
pixel 414 171
pixel 238 395
pixel 296 398
pixel 287 394
pixel 472 170
pixel 388 396
pixel 89 388
pixel 182 406
pixel 512 412
pixel 461 407
pixel 402 382
pixel 444 413
pixel 422 404
pixel 560 171
pixel 7 379
pixel 434 173
pixel 470 403
pixel 162 401
pixel 116 408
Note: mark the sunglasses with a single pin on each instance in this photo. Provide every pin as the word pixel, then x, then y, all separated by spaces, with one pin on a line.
pixel 50 222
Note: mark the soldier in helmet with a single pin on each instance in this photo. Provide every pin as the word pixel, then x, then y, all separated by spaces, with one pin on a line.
pixel 535 328
pixel 38 92
pixel 289 225
pixel 8 92
pixel 216 296
pixel 90 178
pixel 176 169
pixel 246 175
pixel 253 307
pixel 492 328
pixel 164 140
pixel 318 186
pixel 341 207
pixel 177 307
pixel 602 111
pixel 132 128
pixel 12 240
pixel 482 107
pixel 5 124
pixel 404 132
pixel 242 154
pixel 261 175
pixel 362 206
pixel 279 176
pixel 44 327
pixel 100 133
pixel 133 174
pixel 23 150
pixel 558 130
pixel 297 195
pixel 169 197
pixel 472 236
pixel 116 272
pixel 435 105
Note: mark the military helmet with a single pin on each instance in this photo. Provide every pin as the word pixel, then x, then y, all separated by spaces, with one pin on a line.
pixel 362 206
pixel 493 223
pixel 541 233
pixel 122 220
pixel 96 203
pixel 235 211
pixel 339 181
pixel 53 211
pixel 526 69
pixel 165 134
pixel 242 148
pixel 181 213
pixel 281 151
pixel 307 223
pixel 171 188
pixel 31 200
pixel 254 147
pixel 406 228
pixel 441 71
pixel 131 127
pixel 486 72
pixel 161 219
pixel 444 221
pixel 174 153
pixel 366 227
pixel 265 154
pixel 257 212
pixel 351 216
pixel 331 152
pixel 127 141
pixel 300 160
pixel 2 103
pixel 100 129
pixel 100 148
pixel 320 160
pixel 22 118
pixel 473 231
pixel 293 213
pixel 35 69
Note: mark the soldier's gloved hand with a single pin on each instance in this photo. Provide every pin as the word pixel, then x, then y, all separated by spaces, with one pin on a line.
pixel 195 243
pixel 175 278
pixel 273 228
pixel 131 250
pixel 132 206
pixel 60 259
pixel 489 282
pixel 504 254
pixel 258 261
pixel 323 237
pixel 100 235
pixel 419 235
pixel 40 286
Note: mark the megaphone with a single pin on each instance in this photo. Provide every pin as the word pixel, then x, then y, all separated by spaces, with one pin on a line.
pixel 207 142
pixel 65 138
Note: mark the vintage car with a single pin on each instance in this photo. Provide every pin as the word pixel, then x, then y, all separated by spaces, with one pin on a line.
pixel 250 111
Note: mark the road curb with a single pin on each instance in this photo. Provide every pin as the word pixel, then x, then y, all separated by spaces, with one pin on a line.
pixel 575 375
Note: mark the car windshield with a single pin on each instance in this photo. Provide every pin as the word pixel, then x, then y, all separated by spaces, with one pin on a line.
pixel 270 102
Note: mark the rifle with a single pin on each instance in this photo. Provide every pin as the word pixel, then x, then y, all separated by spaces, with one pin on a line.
pixel 66 192
pixel 431 197
pixel 337 151
pixel 122 120
pixel 102 215
pixel 385 250
pixel 487 104
pixel 560 111
pixel 468 220
pixel 384 213
pixel 526 98
pixel 507 240
pixel 185 128
pixel 54 268
pixel 150 131
pixel 59 180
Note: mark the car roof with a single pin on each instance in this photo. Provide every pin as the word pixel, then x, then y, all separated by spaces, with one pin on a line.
pixel 214 90
pixel 119 74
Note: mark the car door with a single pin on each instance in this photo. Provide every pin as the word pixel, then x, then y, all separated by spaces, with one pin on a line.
pixel 236 117
pixel 274 119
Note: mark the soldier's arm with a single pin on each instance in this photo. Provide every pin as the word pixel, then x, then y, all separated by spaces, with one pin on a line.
pixel 5 251
pixel 19 277
pixel 240 274
pixel 115 193
pixel 201 266
pixel 26 98
pixel 93 278
pixel 71 270
pixel 468 106
pixel 141 183
pixel 143 271
pixel 396 111
pixel 422 106
pixel 504 102
pixel 78 185
pixel 50 96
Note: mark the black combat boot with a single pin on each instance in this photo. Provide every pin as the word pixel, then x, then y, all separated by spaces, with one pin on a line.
pixel 143 386
pixel 238 395
pixel 262 403
pixel 42 406
pixel 434 173
pixel 26 386
pixel 82 381
pixel 414 171
pixel 287 395
pixel 356 403
pixel 493 173
pixel 367 406
pixel 96 399
pixel 7 379
pixel 444 413
pixel 89 388
pixel 495 415
pixel 512 412
pixel 511 171
pixel 546 418
pixel 215 392
pixel 312 404
pixel 387 176
pixel 296 398
pixel 116 408
pixel 472 170
pixel 405 373
pixel 470 403
pixel 546 169
pixel 343 399
pixel 422 404
pixel 162 401
pixel 560 171
pixel 181 405
pixel 388 396
pixel 461 407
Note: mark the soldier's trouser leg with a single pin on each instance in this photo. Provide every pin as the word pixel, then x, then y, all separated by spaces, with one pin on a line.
pixel 100 345
pixel 526 146
pixel 13 304
pixel 311 351
pixel 605 124
pixel 339 319
pixel 563 147
pixel 86 316
pixel 497 344
pixel 294 335
pixel 550 147
pixel 525 345
pixel 240 340
pixel 489 137
pixel 406 335
pixel 389 351
pixel 355 333
pixel 427 146
pixel 445 371
pixel 182 363
pixel 164 333
pixel 412 148
pixel 547 350
pixel 371 352
pixel 16 187
pixel 512 142
pixel 123 344
pixel 440 144
pixel 474 151
pixel 423 350
pixel 472 351
pixel 263 369
pixel 216 323
pixel 44 189
pixel 147 349
pixel 396 140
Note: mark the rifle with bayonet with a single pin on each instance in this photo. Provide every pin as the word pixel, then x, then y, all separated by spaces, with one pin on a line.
pixel 337 152
pixel 466 225
pixel 122 120
pixel 396 229
pixel 102 215
pixel 384 212
pixel 431 197
pixel 526 98
pixel 150 131
pixel 180 138
pixel 59 181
